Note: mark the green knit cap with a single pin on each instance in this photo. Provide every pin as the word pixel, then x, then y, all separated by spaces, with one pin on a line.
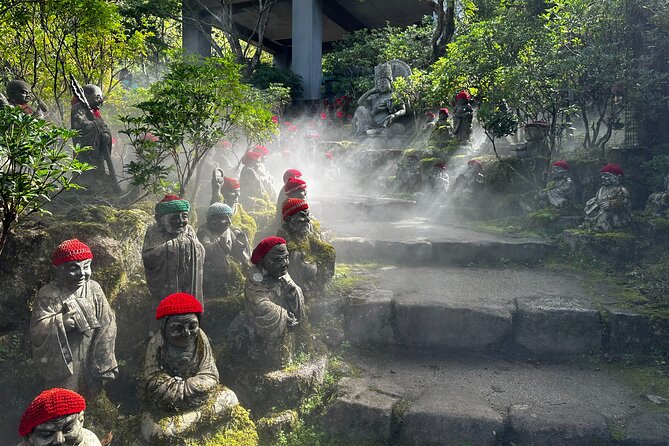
pixel 171 204
pixel 218 210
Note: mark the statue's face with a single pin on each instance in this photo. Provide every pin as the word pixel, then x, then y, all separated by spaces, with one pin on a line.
pixel 94 96
pixel 300 193
pixel 174 223
pixel 558 172
pixel 610 179
pixel 383 85
pixel 63 431
pixel 298 223
pixel 181 330
pixel 276 261
pixel 73 275
pixel 231 197
pixel 18 92
pixel 220 223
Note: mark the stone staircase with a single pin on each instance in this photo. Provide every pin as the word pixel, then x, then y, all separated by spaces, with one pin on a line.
pixel 465 338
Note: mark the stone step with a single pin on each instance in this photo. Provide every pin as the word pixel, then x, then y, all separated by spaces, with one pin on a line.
pixel 524 311
pixel 420 241
pixel 404 398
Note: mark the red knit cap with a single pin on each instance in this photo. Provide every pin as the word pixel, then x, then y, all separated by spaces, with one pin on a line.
pixel 561 163
pixel 463 95
pixel 291 173
pixel 48 405
pixel 294 184
pixel 71 251
pixel 230 183
pixel 477 162
pixel 264 247
pixel 178 303
pixel 443 111
pixel 612 168
pixel 262 150
pixel 250 156
pixel 292 206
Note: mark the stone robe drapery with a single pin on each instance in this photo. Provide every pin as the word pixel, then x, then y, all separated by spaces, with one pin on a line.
pixel 252 188
pixel 560 193
pixel 173 265
pixel 89 439
pixel 617 212
pixel 92 132
pixel 221 249
pixel 267 304
pixel 312 261
pixel 174 393
pixel 87 351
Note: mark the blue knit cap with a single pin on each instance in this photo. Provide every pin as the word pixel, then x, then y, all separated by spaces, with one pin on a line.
pixel 219 210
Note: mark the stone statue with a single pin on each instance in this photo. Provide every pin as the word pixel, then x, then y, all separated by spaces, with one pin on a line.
pixel 294 188
pixel 463 114
pixel 173 256
pixel 73 328
pixel 274 305
pixel 470 181
pixel 312 261
pixel 266 177
pixel 537 142
pixel 657 204
pixel 227 190
pixel 226 247
pixel 376 110
pixel 56 417
pixel 287 175
pixel 560 190
pixel 18 95
pixel 253 188
pixel 180 379
pixel 609 209
pixel 437 181
pixel 94 132
pixel 407 173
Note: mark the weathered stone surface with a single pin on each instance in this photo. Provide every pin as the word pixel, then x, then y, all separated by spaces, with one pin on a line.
pixel 363 410
pixel 444 416
pixel 628 332
pixel 648 429
pixel 557 325
pixel 557 425
pixel 448 325
pixel 270 427
pixel 368 317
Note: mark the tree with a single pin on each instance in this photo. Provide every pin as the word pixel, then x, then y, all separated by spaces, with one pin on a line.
pixel 196 105
pixel 35 166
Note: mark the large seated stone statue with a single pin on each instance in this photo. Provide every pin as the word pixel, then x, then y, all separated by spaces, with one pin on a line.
pixel 173 256
pixel 73 328
pixel 560 191
pixel 18 95
pixel 254 190
pixel 609 209
pixel 56 417
pixel 376 109
pixel 227 250
pixel 287 176
pixel 463 114
pixel 180 387
pixel 312 261
pixel 274 306
pixel 657 204
pixel 94 132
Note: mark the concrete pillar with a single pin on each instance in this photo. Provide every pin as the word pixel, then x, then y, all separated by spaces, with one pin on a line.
pixel 308 45
pixel 196 25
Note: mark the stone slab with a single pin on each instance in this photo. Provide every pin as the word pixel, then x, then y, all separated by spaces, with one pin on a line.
pixel 363 410
pixel 647 429
pixel 443 415
pixel 368 317
pixel 628 332
pixel 557 325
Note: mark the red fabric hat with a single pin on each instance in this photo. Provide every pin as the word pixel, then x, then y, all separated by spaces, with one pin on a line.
pixel 230 183
pixel 178 303
pixel 463 95
pixel 291 173
pixel 440 165
pixel 264 247
pixel 561 163
pixel 429 114
pixel 294 184
pixel 261 150
pixel 444 111
pixel 250 156
pixel 612 168
pixel 292 206
pixel 71 251
pixel 329 155
pixel 275 119
pixel 49 405
pixel 477 162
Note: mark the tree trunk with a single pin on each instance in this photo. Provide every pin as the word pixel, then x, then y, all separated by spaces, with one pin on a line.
pixel 445 29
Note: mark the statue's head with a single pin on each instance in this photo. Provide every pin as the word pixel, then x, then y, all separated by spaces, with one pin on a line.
pixel 463 97
pixel 443 114
pixel 230 191
pixel 295 213
pixel 474 166
pixel 296 188
pixel 54 417
pixel 219 217
pixel 271 256
pixel 93 95
pixel 439 169
pixel 262 151
pixel 251 159
pixel 560 169
pixel 383 77
pixel 180 316
pixel 172 214
pixel 291 173
pixel 611 175
pixel 18 91
pixel 72 264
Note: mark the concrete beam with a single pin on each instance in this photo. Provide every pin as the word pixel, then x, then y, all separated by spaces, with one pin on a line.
pixel 344 19
pixel 307 42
